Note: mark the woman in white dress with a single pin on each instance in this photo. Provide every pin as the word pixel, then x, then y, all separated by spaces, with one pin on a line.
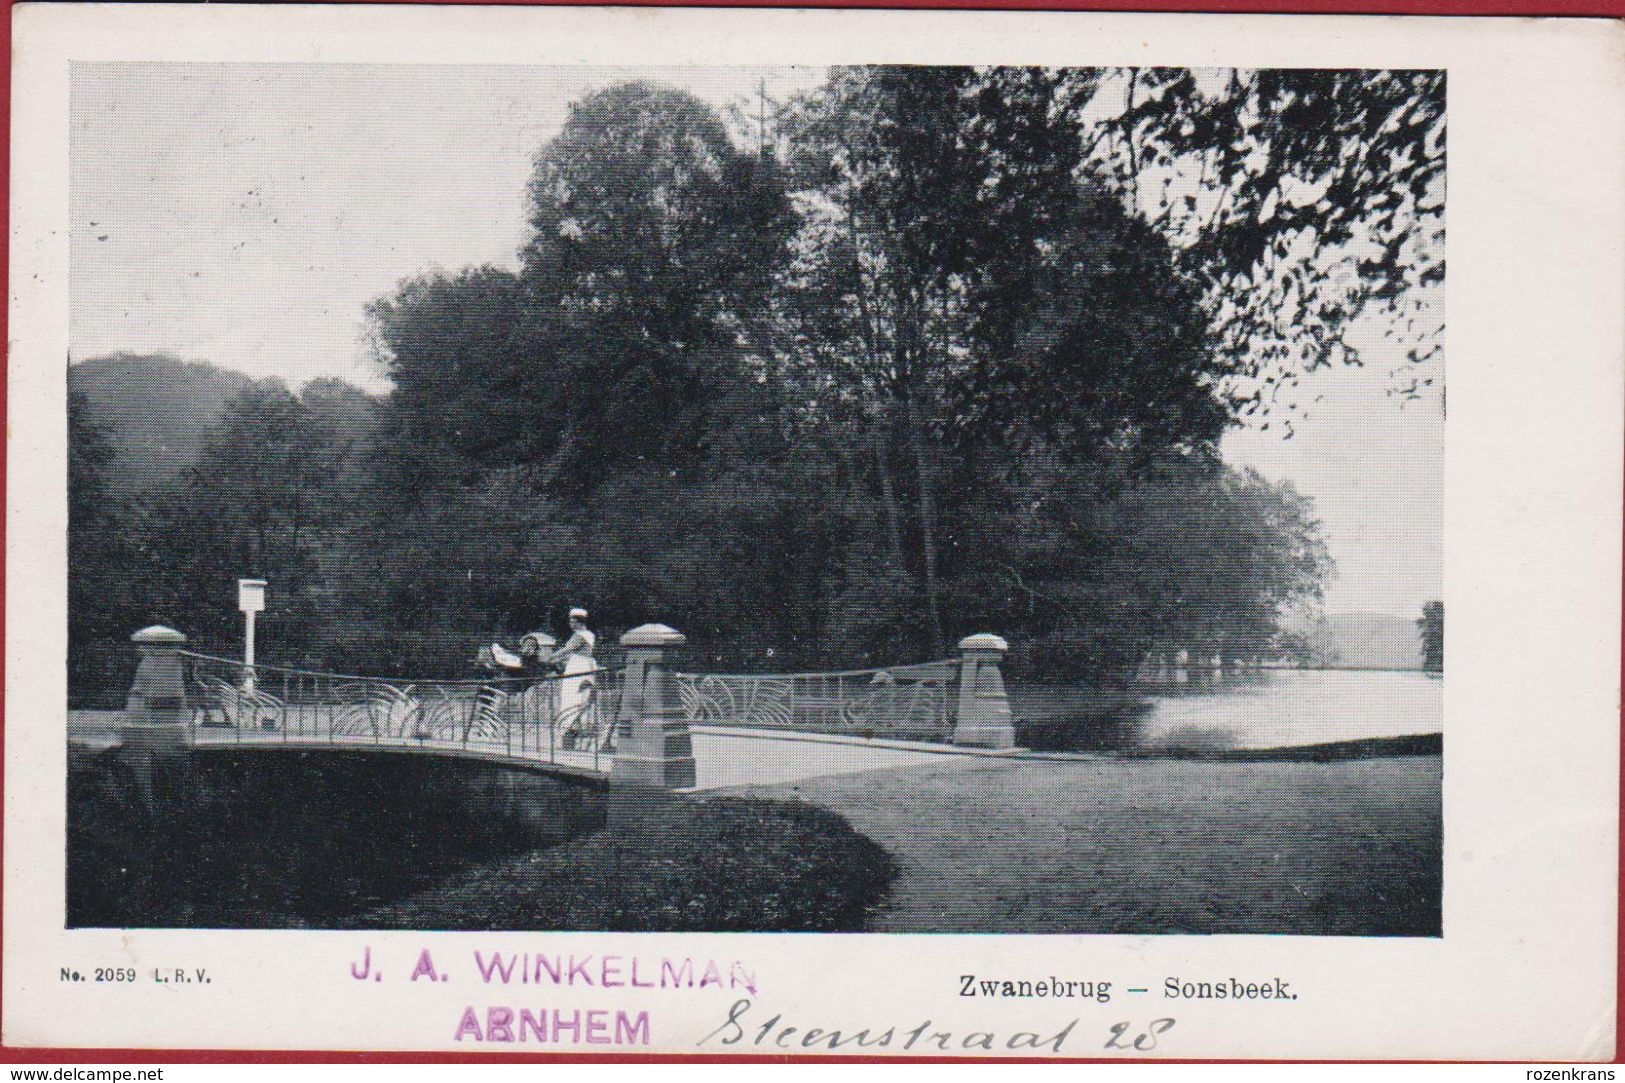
pixel 575 692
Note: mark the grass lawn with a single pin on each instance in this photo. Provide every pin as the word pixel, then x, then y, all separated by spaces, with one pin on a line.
pixel 1336 847
pixel 714 864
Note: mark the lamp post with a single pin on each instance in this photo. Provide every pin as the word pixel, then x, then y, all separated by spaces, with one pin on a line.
pixel 251 600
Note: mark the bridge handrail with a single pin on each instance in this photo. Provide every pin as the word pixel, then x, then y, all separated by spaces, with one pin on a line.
pixel 472 682
pixel 888 670
pixel 914 701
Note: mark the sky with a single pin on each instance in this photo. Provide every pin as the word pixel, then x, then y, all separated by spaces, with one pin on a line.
pixel 245 214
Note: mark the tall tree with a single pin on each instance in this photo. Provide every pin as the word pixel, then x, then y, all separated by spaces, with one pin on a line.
pixel 468 390
pixel 1431 624
pixel 1299 199
pixel 90 453
pixel 962 280
pixel 655 241
pixel 590 427
pixel 100 603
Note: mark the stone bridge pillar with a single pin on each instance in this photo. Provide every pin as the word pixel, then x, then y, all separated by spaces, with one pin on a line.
pixel 157 715
pixel 652 744
pixel 984 709
pixel 154 737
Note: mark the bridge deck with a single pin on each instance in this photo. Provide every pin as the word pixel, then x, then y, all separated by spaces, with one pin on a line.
pixel 725 756
pixel 588 764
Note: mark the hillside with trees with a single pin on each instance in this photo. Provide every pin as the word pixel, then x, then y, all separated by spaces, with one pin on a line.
pixel 155 410
pixel 1367 641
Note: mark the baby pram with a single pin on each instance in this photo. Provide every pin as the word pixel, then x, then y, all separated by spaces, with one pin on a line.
pixel 554 705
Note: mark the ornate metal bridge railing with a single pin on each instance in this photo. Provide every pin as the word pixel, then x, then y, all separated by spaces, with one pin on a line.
pixel 565 719
pixel 913 702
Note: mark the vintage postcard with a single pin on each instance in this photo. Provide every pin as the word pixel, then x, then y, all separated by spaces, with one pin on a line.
pixel 889 534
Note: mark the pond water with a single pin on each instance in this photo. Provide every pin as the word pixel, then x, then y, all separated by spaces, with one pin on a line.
pixel 276 839
pixel 1260 710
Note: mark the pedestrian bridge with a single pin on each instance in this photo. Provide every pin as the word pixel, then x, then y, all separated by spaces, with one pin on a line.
pixel 642 722
pixel 557 724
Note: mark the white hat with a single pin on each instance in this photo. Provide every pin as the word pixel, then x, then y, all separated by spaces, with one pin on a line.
pixel 578 612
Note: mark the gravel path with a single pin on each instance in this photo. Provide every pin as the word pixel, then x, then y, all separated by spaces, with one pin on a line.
pixel 1151 846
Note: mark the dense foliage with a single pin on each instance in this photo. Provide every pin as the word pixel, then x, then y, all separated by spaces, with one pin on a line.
pixel 947 350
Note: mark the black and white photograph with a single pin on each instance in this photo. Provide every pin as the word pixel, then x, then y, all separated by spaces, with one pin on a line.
pixel 621 532
pixel 987 499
